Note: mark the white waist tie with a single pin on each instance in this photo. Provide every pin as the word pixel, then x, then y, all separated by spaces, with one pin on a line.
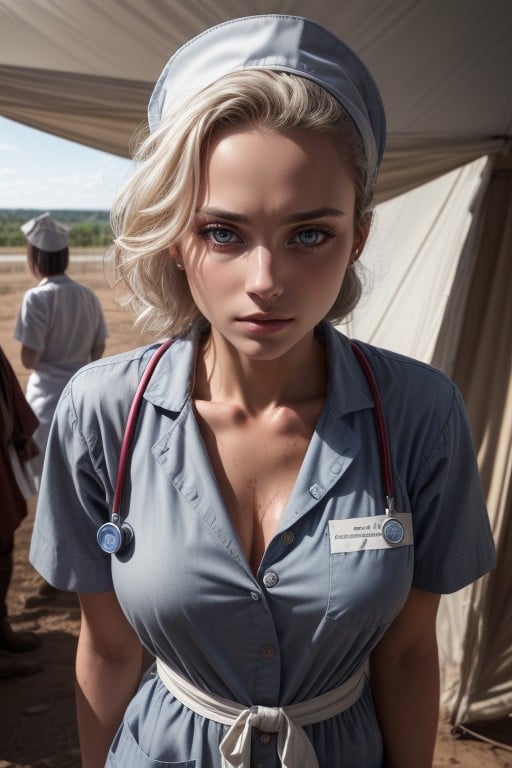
pixel 293 746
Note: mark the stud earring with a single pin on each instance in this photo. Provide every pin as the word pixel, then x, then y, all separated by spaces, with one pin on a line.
pixel 174 254
pixel 354 259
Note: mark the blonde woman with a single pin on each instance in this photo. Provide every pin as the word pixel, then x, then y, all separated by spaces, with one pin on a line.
pixel 278 553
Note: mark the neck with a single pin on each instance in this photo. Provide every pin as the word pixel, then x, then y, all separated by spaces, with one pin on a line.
pixel 225 375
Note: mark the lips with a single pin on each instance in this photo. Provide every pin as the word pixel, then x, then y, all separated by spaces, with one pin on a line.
pixel 264 323
pixel 264 317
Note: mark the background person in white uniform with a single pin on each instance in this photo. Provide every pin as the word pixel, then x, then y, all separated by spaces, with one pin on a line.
pixel 60 324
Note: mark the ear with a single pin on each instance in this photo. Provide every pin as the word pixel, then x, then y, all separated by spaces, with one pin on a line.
pixel 175 256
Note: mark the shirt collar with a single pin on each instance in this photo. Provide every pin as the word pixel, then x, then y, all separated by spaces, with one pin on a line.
pixel 171 383
pixel 347 391
pixel 60 278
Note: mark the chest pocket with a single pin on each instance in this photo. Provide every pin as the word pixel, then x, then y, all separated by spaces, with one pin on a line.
pixel 368 588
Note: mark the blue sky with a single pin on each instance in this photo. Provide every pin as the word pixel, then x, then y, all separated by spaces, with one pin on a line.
pixel 38 170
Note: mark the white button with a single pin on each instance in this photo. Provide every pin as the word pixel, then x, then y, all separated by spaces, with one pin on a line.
pixel 270 579
pixel 255 596
pixel 316 491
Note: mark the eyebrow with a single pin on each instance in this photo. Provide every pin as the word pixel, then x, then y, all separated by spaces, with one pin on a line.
pixel 317 213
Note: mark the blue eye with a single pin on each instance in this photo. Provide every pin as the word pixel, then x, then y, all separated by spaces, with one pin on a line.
pixel 308 237
pixel 221 235
pixel 311 237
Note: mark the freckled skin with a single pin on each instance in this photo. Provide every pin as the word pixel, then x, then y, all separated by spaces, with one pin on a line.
pixel 269 248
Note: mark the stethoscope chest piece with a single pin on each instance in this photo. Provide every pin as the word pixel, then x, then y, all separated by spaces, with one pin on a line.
pixel 114 535
pixel 393 531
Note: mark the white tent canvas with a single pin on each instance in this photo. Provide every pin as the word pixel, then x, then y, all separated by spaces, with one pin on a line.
pixel 440 258
pixel 420 279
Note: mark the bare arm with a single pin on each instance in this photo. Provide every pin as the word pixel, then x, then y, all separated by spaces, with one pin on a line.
pixel 404 675
pixel 108 670
pixel 29 357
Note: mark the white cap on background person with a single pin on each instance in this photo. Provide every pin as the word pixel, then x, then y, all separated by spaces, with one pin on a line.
pixel 45 233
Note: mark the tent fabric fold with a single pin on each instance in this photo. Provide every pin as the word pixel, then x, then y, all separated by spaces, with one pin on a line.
pixel 410 162
pixel 107 113
pixel 460 249
pixel 482 369
pixel 100 112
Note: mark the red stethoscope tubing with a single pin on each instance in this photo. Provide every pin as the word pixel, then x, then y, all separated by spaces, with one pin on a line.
pixel 132 422
pixel 380 425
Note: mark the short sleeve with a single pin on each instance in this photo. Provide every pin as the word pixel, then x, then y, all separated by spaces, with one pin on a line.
pixel 71 506
pixel 32 322
pixel 452 536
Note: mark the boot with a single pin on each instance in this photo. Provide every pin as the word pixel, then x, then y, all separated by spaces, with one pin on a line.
pixel 11 641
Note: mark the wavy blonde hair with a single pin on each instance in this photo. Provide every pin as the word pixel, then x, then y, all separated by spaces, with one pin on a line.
pixel 156 206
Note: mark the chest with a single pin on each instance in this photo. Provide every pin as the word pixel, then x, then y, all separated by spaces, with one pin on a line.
pixel 190 568
pixel 256 462
pixel 195 565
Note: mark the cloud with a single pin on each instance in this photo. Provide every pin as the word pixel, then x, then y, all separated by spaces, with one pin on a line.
pixel 8 147
pixel 73 190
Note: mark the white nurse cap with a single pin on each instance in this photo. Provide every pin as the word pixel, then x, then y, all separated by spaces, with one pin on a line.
pixel 46 233
pixel 281 43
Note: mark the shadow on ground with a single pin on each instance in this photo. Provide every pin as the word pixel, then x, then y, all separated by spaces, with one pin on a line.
pixel 37 712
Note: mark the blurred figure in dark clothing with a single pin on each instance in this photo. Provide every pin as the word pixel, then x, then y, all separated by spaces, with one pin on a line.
pixel 17 425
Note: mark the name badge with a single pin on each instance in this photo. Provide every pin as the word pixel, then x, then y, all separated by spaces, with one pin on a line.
pixel 376 532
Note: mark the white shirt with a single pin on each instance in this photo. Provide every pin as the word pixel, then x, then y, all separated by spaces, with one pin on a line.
pixel 62 320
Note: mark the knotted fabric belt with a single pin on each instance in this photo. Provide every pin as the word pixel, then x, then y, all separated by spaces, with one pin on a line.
pixel 293 746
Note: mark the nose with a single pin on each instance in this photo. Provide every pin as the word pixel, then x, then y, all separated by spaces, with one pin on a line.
pixel 262 278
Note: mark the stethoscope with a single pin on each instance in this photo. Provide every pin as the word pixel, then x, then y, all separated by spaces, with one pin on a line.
pixel 117 534
pixel 393 531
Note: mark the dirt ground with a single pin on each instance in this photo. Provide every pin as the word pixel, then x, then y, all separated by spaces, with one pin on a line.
pixel 37 719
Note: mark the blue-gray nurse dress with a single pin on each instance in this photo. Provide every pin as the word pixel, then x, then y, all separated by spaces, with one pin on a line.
pixel 309 618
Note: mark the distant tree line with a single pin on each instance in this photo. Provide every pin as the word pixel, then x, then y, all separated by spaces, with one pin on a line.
pixel 88 229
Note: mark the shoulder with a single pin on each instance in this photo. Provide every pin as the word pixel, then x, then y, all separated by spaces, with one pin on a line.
pixel 97 399
pixel 116 375
pixel 34 294
pixel 424 409
pixel 410 390
pixel 422 406
pixel 89 296
pixel 407 379
pixel 80 287
pixel 101 392
pixel 42 293
pixel 66 283
pixel 35 305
